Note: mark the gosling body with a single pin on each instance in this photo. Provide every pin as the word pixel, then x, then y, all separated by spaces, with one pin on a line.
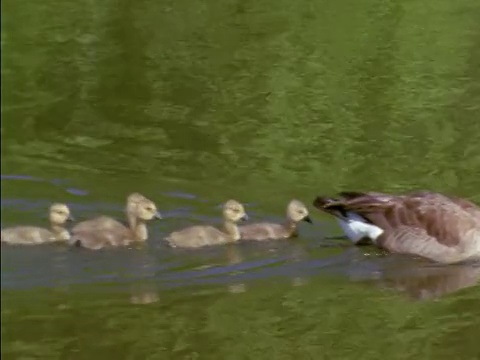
pixel 59 214
pixel 104 231
pixel 296 212
pixel 207 235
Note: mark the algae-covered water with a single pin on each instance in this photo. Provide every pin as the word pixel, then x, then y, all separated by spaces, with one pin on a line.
pixel 195 102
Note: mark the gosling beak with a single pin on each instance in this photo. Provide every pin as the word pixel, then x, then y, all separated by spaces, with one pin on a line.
pixel 244 217
pixel 158 216
pixel 70 218
pixel 307 219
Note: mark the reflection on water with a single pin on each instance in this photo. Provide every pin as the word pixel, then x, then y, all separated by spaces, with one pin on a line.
pixel 426 282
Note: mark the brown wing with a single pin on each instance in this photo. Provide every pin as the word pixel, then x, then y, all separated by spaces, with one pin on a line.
pixel 433 217
pixel 465 204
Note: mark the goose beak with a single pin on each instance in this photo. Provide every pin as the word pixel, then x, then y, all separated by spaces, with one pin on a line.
pixel 157 216
pixel 244 217
pixel 308 219
pixel 70 218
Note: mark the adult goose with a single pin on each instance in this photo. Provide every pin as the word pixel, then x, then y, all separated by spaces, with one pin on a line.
pixel 442 228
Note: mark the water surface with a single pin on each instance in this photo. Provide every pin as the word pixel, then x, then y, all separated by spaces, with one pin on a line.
pixel 193 103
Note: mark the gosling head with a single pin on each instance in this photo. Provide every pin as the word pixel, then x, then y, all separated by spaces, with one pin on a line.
pixel 234 211
pixel 132 200
pixel 297 211
pixel 142 208
pixel 135 198
pixel 59 214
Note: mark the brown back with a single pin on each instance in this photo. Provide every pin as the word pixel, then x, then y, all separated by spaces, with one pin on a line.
pixel 433 215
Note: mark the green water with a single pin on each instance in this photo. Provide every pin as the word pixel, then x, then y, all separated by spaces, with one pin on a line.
pixel 195 102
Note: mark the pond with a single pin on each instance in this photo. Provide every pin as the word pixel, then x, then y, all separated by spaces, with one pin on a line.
pixel 194 103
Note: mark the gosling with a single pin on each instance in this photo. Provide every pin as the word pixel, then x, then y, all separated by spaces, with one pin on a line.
pixel 59 214
pixel 106 222
pixel 296 212
pixel 206 235
pixel 105 231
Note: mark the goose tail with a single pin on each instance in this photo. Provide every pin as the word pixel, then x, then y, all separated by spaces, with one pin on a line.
pixel 327 205
pixel 353 223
